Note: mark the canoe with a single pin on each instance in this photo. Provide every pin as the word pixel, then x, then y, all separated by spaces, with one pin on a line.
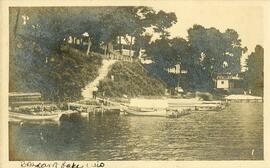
pixel 30 117
pixel 160 112
pixel 141 109
pixel 147 112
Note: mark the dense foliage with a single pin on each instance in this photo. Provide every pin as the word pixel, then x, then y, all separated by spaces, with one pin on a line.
pixel 42 59
pixel 61 76
pixel 205 53
pixel 254 74
pixel 130 79
pixel 40 55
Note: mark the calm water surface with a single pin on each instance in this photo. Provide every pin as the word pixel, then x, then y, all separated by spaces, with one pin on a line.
pixel 231 134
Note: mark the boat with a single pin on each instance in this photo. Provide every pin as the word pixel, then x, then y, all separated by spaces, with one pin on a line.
pixel 197 105
pixel 148 112
pixel 29 107
pixel 209 107
pixel 170 107
pixel 178 112
pixel 32 117
pixel 172 113
pixel 147 107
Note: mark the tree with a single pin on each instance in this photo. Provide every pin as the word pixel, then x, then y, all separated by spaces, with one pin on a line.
pixel 36 46
pixel 254 74
pixel 205 53
pixel 163 21
pixel 133 21
pixel 214 48
pixel 38 61
pixel 212 52
pixel 166 53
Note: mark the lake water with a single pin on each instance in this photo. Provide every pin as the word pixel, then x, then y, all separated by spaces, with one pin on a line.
pixel 233 134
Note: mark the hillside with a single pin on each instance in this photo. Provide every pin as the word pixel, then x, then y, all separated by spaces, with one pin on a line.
pixel 59 76
pixel 79 70
pixel 87 91
pixel 130 79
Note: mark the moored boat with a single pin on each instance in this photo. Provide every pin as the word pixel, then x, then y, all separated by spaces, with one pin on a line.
pixel 209 107
pixel 170 107
pixel 147 107
pixel 154 108
pixel 153 112
pixel 31 117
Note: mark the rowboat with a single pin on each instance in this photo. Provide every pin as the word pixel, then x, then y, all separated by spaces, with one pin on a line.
pixel 161 113
pixel 170 107
pixel 147 107
pixel 30 117
pixel 147 112
pixel 152 107
pixel 209 107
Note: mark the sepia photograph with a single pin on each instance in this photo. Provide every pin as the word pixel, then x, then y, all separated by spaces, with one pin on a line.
pixel 144 82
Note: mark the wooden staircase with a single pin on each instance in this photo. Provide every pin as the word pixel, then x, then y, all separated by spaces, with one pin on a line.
pixel 87 92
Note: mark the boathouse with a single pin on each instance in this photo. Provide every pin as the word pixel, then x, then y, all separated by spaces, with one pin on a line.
pixel 23 99
pixel 230 83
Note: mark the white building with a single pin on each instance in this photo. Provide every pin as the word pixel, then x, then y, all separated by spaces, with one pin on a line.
pixel 125 45
pixel 144 59
pixel 229 82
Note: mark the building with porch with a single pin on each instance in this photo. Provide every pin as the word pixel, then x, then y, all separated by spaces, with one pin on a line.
pixel 124 45
pixel 230 83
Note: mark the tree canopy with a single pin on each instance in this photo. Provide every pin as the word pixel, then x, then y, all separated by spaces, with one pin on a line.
pixel 205 53
pixel 42 60
pixel 255 73
pixel 38 61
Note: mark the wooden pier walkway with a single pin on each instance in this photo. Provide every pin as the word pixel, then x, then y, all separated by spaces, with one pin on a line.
pixel 104 106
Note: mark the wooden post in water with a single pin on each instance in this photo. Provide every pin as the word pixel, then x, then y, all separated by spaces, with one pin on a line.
pixel 102 108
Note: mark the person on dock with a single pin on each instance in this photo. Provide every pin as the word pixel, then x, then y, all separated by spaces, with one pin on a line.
pixel 95 92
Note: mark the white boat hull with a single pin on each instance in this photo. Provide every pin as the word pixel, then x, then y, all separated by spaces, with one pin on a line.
pixel 29 117
pixel 158 113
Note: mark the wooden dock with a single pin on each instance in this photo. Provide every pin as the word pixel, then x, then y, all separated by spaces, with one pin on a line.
pixel 105 106
pixel 109 106
pixel 243 99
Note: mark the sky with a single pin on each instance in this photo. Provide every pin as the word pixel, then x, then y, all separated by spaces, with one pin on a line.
pixel 246 20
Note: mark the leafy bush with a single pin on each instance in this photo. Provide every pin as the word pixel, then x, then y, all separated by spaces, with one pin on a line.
pixel 130 79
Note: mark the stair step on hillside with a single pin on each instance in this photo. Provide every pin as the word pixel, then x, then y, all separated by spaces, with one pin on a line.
pixel 87 92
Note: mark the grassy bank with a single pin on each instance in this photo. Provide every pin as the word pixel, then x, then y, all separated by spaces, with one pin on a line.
pixel 78 69
pixel 59 76
pixel 130 79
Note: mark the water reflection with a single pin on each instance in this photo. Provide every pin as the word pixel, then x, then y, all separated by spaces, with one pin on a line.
pixel 228 135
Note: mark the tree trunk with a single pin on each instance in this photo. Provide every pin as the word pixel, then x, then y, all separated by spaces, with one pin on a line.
pixel 121 46
pixel 17 22
pixel 89 46
pixel 130 49
pixel 74 41
pixel 105 49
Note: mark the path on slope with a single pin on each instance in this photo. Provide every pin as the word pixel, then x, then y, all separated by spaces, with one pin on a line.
pixel 87 92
